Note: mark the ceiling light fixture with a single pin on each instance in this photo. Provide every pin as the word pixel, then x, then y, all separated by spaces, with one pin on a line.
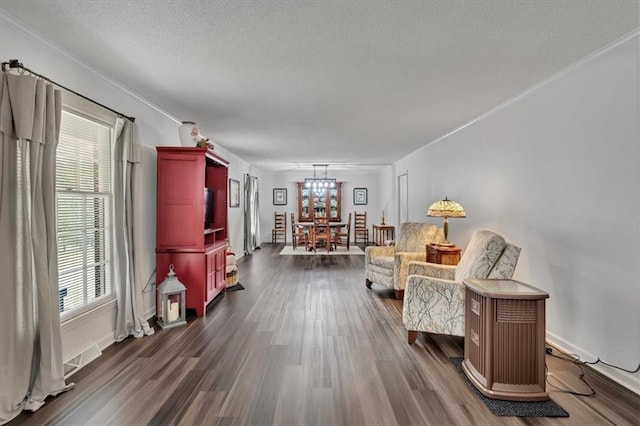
pixel 319 184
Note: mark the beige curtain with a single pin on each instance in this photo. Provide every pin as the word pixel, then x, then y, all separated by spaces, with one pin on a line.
pixel 31 366
pixel 251 214
pixel 129 305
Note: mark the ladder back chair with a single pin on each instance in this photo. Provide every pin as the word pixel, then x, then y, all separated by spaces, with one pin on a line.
pixel 279 230
pixel 298 234
pixel 321 232
pixel 360 227
pixel 341 233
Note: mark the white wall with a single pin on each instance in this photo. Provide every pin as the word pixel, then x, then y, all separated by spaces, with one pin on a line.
pixel 350 179
pixel 557 172
pixel 154 128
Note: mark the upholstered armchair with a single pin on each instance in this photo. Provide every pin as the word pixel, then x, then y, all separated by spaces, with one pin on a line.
pixel 389 265
pixel 434 294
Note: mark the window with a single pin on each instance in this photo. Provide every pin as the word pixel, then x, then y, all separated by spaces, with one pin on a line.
pixel 83 211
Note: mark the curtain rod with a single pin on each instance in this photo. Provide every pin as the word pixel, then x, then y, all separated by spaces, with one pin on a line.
pixel 14 63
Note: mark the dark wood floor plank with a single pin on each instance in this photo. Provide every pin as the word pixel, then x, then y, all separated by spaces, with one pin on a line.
pixel 376 404
pixel 320 408
pixel 243 392
pixel 205 405
pixel 291 397
pixel 306 343
pixel 270 385
pixel 347 402
pixel 401 398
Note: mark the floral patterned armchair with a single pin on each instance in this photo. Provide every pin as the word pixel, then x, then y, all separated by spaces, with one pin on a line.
pixel 389 265
pixel 434 294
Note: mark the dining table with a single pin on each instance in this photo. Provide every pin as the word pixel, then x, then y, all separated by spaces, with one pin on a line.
pixel 332 225
pixel 311 224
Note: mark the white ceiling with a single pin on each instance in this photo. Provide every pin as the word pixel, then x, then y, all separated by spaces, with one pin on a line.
pixel 283 84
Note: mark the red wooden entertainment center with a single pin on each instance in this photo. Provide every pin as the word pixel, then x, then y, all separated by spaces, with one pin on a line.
pixel 186 179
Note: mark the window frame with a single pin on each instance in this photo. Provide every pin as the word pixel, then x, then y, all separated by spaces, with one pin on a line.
pixel 78 106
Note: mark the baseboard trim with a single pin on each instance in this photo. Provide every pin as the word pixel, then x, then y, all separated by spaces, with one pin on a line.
pixel 77 362
pixel 628 380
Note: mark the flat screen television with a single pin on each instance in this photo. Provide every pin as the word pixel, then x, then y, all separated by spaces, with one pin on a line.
pixel 209 207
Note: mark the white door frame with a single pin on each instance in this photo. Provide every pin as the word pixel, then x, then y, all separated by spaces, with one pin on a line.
pixel 403 198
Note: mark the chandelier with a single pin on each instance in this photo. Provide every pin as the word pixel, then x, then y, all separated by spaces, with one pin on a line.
pixel 319 184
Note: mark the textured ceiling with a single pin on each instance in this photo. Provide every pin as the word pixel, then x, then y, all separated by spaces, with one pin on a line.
pixel 283 83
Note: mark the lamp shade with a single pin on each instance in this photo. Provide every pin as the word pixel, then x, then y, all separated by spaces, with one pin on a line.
pixel 446 208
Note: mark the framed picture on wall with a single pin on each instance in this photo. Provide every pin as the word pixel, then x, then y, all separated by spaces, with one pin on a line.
pixel 360 196
pixel 234 193
pixel 279 196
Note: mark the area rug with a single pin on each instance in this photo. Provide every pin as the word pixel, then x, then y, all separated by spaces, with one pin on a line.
pixel 513 408
pixel 301 251
pixel 235 287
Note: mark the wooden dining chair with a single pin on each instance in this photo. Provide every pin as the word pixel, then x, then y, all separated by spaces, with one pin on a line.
pixel 321 231
pixel 341 233
pixel 360 227
pixel 279 230
pixel 298 234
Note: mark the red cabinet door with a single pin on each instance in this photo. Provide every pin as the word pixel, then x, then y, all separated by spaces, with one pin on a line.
pixel 221 267
pixel 180 201
pixel 211 275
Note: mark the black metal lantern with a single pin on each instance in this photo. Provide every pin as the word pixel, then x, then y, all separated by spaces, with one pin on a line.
pixel 171 301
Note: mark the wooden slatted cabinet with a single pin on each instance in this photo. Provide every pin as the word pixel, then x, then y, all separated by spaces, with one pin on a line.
pixel 505 339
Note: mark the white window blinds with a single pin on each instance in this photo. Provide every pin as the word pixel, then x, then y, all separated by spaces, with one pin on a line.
pixel 83 208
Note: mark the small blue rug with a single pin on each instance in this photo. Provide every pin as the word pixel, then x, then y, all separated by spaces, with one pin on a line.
pixel 501 407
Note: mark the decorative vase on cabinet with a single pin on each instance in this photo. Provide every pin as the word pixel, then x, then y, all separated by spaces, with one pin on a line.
pixel 188 133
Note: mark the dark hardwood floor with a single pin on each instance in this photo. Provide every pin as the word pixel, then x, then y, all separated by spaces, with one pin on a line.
pixel 304 344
